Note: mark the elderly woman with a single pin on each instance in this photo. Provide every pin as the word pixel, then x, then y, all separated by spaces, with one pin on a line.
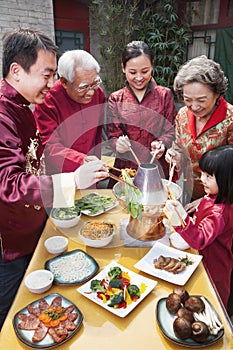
pixel 206 120
pixel 71 118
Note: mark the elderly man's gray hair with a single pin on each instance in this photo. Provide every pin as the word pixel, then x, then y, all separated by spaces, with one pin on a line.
pixel 73 59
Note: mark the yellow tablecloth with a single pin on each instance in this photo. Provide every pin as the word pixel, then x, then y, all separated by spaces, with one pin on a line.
pixel 101 329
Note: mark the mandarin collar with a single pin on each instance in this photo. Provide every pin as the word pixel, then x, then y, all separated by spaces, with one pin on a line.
pixel 12 94
pixel 148 89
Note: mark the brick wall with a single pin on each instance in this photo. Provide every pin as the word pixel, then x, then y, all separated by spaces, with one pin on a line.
pixel 20 13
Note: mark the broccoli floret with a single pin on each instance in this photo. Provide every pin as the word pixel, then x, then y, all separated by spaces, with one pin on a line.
pixel 116 283
pixel 97 285
pixel 116 299
pixel 133 290
pixel 114 272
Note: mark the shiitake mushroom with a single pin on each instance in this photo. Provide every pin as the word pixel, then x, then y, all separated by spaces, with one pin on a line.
pixel 173 303
pixel 182 328
pixel 185 313
pixel 194 304
pixel 200 331
pixel 184 325
pixel 184 295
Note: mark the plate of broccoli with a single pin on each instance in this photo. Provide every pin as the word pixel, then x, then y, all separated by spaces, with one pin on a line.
pixel 117 289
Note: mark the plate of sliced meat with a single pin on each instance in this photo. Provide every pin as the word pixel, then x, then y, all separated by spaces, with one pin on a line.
pixel 47 322
pixel 169 264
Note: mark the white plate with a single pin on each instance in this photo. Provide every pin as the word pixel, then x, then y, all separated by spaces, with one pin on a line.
pixel 134 279
pixel 92 204
pixel 146 263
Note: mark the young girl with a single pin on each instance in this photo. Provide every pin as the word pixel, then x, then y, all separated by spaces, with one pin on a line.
pixel 210 230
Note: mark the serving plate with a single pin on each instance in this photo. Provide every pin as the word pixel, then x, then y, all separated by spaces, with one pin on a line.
pixel 134 279
pixel 25 336
pixel 165 322
pixel 94 204
pixel 146 263
pixel 72 268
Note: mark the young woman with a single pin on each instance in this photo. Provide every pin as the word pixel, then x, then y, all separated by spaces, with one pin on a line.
pixel 142 113
pixel 210 229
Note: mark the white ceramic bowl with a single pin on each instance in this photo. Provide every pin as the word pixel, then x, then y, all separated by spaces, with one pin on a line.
pixel 39 281
pixel 98 241
pixel 56 244
pixel 66 221
pixel 178 242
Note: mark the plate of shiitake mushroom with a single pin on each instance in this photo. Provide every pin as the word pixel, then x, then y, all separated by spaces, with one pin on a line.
pixel 188 320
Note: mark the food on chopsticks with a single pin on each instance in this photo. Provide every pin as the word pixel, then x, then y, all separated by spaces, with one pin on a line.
pixel 170 264
pixel 94 203
pixel 130 172
pixel 133 198
pixel 53 319
pixel 195 318
pixel 116 289
pixel 97 230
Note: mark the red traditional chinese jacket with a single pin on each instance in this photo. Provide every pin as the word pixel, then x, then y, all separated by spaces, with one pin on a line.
pixel 211 233
pixel 69 130
pixel 217 131
pixel 143 122
pixel 22 193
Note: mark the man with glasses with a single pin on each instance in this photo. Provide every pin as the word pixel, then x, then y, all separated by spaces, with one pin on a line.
pixel 71 119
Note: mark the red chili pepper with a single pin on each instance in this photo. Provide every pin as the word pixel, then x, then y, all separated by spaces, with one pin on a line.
pixel 125 282
pixel 134 298
pixel 122 305
pixel 102 295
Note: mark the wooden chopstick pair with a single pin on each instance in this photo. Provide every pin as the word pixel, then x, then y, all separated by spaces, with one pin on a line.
pixel 131 150
pixel 119 178
pixel 171 197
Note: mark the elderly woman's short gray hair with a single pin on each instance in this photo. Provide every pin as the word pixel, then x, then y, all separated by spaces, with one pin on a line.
pixel 202 70
pixel 76 59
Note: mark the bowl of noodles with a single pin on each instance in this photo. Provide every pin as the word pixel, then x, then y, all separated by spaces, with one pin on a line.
pixel 97 234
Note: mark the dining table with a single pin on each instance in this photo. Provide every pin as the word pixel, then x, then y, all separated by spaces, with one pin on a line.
pixel 100 328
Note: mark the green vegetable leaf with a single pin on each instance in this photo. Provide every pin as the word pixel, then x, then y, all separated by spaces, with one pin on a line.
pixel 133 198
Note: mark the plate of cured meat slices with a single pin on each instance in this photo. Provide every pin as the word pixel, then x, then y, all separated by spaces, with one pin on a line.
pixel 47 322
pixel 169 264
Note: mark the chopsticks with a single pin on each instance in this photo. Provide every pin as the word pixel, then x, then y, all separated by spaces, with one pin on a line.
pixel 135 157
pixel 130 147
pixel 171 197
pixel 172 166
pixel 154 154
pixel 113 168
pixel 121 180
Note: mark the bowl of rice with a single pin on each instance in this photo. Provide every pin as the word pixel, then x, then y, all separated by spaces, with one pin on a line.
pixel 97 234
pixel 39 281
pixel 56 244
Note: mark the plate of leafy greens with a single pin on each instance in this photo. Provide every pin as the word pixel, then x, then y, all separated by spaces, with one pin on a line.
pixel 117 289
pixel 94 204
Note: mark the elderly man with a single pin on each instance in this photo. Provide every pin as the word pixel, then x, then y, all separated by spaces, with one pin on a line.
pixel 71 119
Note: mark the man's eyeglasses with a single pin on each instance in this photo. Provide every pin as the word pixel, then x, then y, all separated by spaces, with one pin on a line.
pixel 82 88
